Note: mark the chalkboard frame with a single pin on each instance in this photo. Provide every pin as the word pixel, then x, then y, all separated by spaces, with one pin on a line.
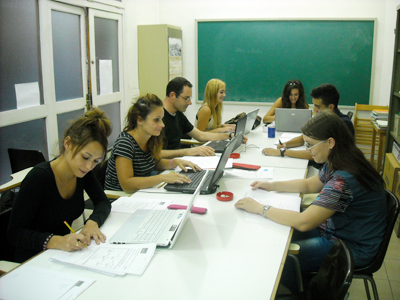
pixel 347 98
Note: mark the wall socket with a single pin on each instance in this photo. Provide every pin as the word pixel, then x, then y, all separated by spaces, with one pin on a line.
pixel 135 94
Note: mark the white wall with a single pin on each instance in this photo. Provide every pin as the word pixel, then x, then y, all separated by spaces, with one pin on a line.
pixel 183 13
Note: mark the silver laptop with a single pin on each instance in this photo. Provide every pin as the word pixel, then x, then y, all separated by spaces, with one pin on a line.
pixel 251 118
pixel 291 120
pixel 155 226
pixel 219 146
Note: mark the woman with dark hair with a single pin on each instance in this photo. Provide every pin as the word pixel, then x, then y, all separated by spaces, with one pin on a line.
pixel 53 192
pixel 136 152
pixel 293 96
pixel 351 204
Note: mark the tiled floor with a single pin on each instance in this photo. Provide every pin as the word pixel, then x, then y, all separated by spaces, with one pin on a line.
pixel 387 278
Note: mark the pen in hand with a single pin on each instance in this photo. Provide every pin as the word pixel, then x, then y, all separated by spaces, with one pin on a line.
pixel 73 231
pixel 280 142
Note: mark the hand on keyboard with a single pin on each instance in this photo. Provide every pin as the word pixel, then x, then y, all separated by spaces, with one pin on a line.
pixel 175 178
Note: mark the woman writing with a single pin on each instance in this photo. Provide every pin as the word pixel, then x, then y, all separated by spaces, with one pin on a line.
pixel 53 192
pixel 351 204
pixel 208 118
pixel 136 152
pixel 293 96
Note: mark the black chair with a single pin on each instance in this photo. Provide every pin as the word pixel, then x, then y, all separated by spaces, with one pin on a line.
pixel 333 278
pixel 366 273
pixel 21 159
pixel 350 114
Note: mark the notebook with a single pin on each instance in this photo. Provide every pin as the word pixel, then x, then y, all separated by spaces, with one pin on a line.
pixel 210 184
pixel 291 120
pixel 251 118
pixel 219 146
pixel 146 225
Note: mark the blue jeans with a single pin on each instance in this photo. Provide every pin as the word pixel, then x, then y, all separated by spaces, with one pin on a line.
pixel 313 250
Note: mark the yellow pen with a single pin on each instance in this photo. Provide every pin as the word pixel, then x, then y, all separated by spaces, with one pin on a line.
pixel 73 231
pixel 172 172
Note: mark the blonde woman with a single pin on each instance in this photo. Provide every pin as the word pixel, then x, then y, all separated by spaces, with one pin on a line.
pixel 208 117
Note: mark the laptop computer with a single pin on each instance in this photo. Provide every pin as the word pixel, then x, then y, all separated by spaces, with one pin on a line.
pixel 210 184
pixel 291 120
pixel 219 146
pixel 251 118
pixel 155 226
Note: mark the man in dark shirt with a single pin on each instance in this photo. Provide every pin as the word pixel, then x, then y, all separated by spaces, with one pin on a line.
pixel 178 98
pixel 325 96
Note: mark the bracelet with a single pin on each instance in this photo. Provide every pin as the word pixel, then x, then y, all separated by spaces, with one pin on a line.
pixel 47 241
pixel 171 162
pixel 230 135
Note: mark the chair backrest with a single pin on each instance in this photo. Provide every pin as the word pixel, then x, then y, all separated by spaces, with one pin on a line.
pixel 350 114
pixel 392 213
pixel 21 159
pixel 334 276
pixel 363 126
pixel 100 172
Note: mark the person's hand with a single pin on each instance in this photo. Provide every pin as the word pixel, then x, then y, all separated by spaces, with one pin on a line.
pixel 271 152
pixel 279 146
pixel 91 230
pixel 229 127
pixel 181 163
pixel 200 151
pixel 175 178
pixel 245 139
pixel 69 242
pixel 250 205
pixel 264 185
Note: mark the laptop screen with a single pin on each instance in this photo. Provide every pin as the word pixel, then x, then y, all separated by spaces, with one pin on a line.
pixel 251 118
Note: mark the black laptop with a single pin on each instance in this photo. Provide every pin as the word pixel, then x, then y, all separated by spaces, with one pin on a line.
pixel 210 183
pixel 219 146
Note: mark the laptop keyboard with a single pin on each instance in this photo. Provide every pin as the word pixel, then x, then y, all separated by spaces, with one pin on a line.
pixel 196 178
pixel 151 230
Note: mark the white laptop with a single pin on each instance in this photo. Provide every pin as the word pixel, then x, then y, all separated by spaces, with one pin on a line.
pixel 251 118
pixel 155 226
pixel 291 119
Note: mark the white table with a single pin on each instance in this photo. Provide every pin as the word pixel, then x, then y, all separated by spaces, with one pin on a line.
pixel 219 255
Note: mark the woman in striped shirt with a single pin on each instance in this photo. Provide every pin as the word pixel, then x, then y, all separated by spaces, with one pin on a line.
pixel 136 152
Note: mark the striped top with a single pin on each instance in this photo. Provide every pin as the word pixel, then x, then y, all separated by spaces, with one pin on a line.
pixel 126 146
pixel 360 214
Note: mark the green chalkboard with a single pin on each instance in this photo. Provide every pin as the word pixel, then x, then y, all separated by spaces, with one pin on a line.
pixel 257 58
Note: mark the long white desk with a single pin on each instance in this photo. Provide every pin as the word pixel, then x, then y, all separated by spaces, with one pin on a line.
pixel 219 255
pixel 253 155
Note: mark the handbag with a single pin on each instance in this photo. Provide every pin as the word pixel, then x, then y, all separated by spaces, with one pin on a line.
pixel 234 120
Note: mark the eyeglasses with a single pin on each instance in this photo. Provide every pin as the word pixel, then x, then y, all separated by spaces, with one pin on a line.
pixel 309 147
pixel 294 82
pixel 187 99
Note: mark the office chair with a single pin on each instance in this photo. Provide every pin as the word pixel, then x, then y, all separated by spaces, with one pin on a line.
pixel 21 159
pixel 333 278
pixel 366 273
pixel 350 114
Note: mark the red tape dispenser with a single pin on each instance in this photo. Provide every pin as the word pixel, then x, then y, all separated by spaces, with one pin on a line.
pixel 225 196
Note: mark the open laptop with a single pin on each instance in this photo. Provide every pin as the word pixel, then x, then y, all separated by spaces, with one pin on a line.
pixel 291 120
pixel 210 184
pixel 219 146
pixel 251 118
pixel 155 226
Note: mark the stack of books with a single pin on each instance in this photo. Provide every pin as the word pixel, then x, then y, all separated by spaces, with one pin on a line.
pixel 380 117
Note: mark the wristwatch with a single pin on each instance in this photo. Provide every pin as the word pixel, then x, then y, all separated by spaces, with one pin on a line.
pixel 266 207
pixel 231 135
pixel 283 152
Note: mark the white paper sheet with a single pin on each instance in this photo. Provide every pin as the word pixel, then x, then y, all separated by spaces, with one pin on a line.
pixel 262 173
pixel 30 282
pixel 130 204
pixel 106 76
pixel 206 162
pixel 27 94
pixel 110 258
pixel 274 199
pixel 287 136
